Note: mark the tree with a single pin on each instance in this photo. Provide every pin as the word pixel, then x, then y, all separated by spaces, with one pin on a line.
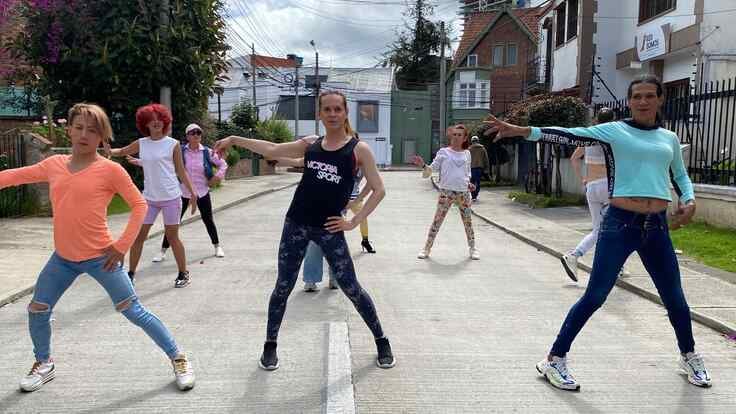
pixel 244 115
pixel 411 53
pixel 118 54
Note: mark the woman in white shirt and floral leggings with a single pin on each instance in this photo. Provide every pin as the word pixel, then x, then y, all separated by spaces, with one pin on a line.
pixel 453 163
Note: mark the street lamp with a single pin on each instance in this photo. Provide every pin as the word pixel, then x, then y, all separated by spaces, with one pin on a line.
pixel 316 87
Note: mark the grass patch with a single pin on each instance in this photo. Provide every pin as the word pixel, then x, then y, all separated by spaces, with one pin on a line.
pixel 542 201
pixel 492 184
pixel 712 246
pixel 117 206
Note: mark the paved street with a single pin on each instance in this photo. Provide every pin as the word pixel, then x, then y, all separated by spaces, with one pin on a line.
pixel 466 334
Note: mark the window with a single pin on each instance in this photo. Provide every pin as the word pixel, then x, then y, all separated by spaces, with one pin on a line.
pixel 472 95
pixel 651 8
pixel 285 108
pixel 368 116
pixel 472 61
pixel 561 23
pixel 511 53
pixel 498 55
pixel 572 19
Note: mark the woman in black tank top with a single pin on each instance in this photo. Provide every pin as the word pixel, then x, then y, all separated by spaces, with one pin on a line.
pixel 315 214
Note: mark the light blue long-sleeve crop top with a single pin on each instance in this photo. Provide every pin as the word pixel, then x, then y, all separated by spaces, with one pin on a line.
pixel 640 160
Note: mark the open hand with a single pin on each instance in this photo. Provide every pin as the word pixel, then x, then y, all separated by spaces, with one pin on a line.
pixel 503 129
pixel 471 187
pixel 417 160
pixel 114 259
pixel 214 181
pixel 336 224
pixel 222 146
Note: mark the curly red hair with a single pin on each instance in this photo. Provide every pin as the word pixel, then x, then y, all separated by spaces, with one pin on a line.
pixel 145 114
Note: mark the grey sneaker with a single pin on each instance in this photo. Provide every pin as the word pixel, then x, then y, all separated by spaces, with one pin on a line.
pixel 557 374
pixel 692 365
pixel 183 372
pixel 423 254
pixel 40 373
pixel 310 287
pixel 159 257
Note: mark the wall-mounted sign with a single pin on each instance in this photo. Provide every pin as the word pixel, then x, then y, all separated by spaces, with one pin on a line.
pixel 652 41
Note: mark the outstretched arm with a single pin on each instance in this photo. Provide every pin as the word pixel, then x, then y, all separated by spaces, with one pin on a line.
pixel 130 149
pixel 268 149
pixel 25 175
pixel 579 137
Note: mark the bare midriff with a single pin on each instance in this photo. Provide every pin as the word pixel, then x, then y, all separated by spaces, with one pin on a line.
pixel 643 205
pixel 594 172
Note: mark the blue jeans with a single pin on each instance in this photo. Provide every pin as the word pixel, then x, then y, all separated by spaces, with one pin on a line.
pixel 313 264
pixel 475 174
pixel 621 233
pixel 59 274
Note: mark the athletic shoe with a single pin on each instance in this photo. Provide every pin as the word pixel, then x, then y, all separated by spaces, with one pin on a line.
pixel 692 365
pixel 310 287
pixel 219 252
pixel 557 374
pixel 423 254
pixel 131 275
pixel 183 280
pixel 474 254
pixel 333 283
pixel 159 257
pixel 269 359
pixel 41 373
pixel 385 358
pixel 570 264
pixel 183 372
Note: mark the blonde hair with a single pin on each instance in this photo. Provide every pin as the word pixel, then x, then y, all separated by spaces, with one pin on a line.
pixel 348 129
pixel 97 115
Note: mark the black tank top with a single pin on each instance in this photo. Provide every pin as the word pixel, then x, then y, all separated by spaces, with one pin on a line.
pixel 326 184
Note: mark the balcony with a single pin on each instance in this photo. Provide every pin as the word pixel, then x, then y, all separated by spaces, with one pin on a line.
pixel 537 77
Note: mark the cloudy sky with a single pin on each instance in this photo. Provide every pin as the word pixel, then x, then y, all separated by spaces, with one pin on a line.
pixel 348 33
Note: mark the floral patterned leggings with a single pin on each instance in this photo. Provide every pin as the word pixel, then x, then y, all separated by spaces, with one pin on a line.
pixel 292 248
pixel 447 197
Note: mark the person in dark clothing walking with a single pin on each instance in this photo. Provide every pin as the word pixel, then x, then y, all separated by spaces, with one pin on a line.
pixel 479 164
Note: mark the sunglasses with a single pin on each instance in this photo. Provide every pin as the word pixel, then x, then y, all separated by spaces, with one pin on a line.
pixel 195 132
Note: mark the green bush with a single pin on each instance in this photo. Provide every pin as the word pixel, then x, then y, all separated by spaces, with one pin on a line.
pixel 274 130
pixel 542 201
pixel 232 157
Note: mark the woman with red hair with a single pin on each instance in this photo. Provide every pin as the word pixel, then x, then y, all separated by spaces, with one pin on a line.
pixel 453 163
pixel 163 167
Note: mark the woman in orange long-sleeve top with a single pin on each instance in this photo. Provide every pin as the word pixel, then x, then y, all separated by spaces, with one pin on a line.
pixel 81 187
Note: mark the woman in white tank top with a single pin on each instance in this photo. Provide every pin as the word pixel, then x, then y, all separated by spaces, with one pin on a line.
pixel 596 192
pixel 163 168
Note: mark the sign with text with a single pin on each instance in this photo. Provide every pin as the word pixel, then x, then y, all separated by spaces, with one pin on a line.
pixel 652 41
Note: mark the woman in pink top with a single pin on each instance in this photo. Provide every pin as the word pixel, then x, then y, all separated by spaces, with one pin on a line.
pixel 163 168
pixel 83 242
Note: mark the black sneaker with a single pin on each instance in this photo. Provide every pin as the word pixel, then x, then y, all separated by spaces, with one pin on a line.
pixel 269 360
pixel 183 280
pixel 131 275
pixel 385 357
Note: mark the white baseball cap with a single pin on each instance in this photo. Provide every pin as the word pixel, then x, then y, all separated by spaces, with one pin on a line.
pixel 192 127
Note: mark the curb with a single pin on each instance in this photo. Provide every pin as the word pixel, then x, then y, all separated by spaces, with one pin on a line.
pixel 709 321
pixel 23 292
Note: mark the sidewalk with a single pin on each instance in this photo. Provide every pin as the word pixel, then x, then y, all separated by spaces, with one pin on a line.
pixel 27 243
pixel 711 293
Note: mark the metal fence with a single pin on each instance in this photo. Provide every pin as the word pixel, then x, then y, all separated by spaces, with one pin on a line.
pixel 12 155
pixel 705 118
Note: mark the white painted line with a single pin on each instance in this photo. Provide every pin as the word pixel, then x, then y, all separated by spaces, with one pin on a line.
pixel 340 397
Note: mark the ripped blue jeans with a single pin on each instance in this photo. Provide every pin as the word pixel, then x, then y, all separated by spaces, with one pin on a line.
pixel 59 274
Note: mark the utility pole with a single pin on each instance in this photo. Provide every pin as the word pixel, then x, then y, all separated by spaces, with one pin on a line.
pixel 443 87
pixel 253 74
pixel 165 93
pixel 297 63
pixel 317 87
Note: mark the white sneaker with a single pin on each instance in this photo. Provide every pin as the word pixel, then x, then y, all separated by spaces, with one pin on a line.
pixel 183 372
pixel 310 287
pixel 570 264
pixel 692 365
pixel 557 374
pixel 423 254
pixel 159 257
pixel 474 254
pixel 219 252
pixel 41 373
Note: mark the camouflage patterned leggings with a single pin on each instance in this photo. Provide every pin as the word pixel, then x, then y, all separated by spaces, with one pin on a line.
pixel 292 248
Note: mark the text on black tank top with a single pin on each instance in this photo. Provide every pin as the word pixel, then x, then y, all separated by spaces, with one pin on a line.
pixel 326 185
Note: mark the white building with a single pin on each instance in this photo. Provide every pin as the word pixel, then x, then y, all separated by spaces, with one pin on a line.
pixel 368 92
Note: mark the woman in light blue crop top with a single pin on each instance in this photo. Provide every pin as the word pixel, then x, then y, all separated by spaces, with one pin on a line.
pixel 641 158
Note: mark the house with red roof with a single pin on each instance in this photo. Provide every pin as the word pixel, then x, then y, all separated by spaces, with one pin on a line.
pixel 489 69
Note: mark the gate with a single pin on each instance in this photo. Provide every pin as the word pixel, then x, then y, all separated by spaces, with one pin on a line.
pixel 12 155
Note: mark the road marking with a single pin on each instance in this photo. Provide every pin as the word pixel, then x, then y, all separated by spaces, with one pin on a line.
pixel 340 396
